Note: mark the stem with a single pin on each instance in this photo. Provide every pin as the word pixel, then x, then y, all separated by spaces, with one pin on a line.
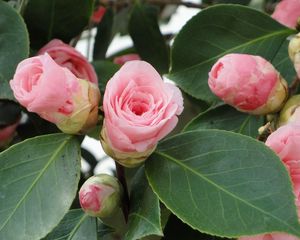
pixel 22 4
pixel 122 179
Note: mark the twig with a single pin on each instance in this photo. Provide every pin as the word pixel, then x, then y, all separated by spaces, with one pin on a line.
pixel 122 179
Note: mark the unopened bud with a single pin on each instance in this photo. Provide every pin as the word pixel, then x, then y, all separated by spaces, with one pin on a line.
pixel 126 159
pixel 290 112
pixel 294 52
pixel 100 195
pixel 249 83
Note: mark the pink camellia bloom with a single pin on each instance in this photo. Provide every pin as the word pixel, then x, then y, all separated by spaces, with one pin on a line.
pixel 140 109
pixel 67 56
pixel 98 14
pixel 7 133
pixel 287 12
pixel 285 143
pixel 100 195
pixel 248 83
pixel 57 95
pixel 121 60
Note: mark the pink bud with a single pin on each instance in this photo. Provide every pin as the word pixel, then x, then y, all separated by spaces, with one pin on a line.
pixel 98 14
pixel 57 95
pixel 287 12
pixel 248 83
pixel 68 57
pixel 126 58
pixel 100 195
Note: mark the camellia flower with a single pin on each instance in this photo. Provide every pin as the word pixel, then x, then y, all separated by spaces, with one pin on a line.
pixel 285 143
pixel 67 56
pixel 287 12
pixel 248 83
pixel 121 60
pixel 57 95
pixel 140 109
pixel 100 195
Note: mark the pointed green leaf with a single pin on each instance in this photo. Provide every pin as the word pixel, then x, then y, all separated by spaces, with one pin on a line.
pixel 217 31
pixel 51 19
pixel 75 226
pixel 144 217
pixel 226 118
pixel 223 184
pixel 14 46
pixel 147 38
pixel 39 180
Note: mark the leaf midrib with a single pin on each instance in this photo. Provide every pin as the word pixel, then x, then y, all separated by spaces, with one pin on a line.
pixel 283 32
pixel 225 191
pixel 51 160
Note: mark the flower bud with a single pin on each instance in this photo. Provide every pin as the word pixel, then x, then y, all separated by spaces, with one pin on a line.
pixel 294 52
pixel 249 83
pixel 57 95
pixel 140 109
pixel 121 60
pixel 287 12
pixel 100 195
pixel 290 112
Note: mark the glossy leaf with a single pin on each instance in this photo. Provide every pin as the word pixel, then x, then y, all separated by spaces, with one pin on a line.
pixel 14 46
pixel 144 217
pixel 217 31
pixel 226 118
pixel 39 180
pixel 104 35
pixel 51 19
pixel 243 2
pixel 147 38
pixel 223 184
pixel 75 226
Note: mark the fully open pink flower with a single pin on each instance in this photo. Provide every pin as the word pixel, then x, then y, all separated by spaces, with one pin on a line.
pixel 140 109
pixel 121 60
pixel 248 83
pixel 285 142
pixel 57 95
pixel 67 56
pixel 287 12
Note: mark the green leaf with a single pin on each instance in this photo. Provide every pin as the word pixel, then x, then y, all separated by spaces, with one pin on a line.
pixel 227 118
pixel 105 70
pixel 75 226
pixel 144 217
pixel 223 184
pixel 56 19
pixel 217 31
pixel 14 46
pixel 147 38
pixel 283 63
pixel 175 229
pixel 104 35
pixel 39 180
